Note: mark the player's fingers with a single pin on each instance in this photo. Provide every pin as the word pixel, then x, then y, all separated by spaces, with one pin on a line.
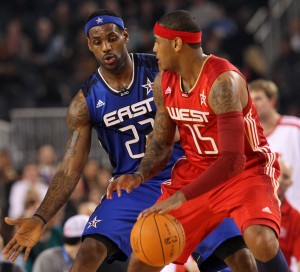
pixel 130 188
pixel 26 254
pixel 10 221
pixel 9 245
pixel 163 210
pixel 11 251
pixel 148 211
pixel 119 189
pixel 17 253
pixel 109 190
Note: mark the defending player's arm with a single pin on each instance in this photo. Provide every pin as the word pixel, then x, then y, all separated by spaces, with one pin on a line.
pixel 63 183
pixel 69 172
pixel 158 149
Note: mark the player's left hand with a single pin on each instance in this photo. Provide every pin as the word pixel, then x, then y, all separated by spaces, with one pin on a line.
pixel 171 203
pixel 127 181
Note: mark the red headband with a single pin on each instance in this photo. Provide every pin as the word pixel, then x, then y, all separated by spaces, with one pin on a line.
pixel 170 34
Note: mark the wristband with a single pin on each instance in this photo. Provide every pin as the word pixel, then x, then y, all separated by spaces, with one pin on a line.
pixel 41 217
pixel 141 175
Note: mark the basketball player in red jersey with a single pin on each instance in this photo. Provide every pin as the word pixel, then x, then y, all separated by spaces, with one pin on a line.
pixel 229 169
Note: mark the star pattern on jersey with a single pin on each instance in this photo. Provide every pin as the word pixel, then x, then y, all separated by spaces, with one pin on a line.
pixel 148 86
pixel 93 223
pixel 203 98
pixel 99 20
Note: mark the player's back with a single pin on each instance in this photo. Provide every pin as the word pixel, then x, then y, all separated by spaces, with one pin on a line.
pixel 124 119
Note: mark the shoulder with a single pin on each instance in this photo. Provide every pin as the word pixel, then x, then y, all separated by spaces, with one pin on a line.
pixel 292 121
pixel 78 113
pixel 146 60
pixel 216 66
pixel 89 83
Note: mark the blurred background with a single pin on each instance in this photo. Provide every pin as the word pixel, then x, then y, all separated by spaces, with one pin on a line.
pixel 44 59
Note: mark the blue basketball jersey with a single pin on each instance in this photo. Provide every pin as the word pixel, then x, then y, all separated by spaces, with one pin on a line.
pixel 124 119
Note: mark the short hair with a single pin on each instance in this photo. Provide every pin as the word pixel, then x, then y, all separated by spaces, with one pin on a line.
pixel 180 20
pixel 269 87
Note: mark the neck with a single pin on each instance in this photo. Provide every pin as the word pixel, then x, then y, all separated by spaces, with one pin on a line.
pixel 120 78
pixel 269 122
pixel 191 70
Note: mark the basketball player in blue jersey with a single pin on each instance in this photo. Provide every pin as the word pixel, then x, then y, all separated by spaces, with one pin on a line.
pixel 117 102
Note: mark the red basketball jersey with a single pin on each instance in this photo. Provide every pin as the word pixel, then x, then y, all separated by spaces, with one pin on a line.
pixel 197 122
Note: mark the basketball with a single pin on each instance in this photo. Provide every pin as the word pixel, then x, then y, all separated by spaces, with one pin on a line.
pixel 157 239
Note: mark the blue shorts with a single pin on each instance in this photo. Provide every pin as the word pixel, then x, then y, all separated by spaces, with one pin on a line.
pixel 227 229
pixel 114 219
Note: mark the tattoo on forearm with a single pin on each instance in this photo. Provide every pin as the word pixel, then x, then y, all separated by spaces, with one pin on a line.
pixel 58 193
pixel 158 151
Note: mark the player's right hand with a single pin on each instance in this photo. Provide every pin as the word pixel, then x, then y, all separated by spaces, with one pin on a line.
pixel 28 234
pixel 127 182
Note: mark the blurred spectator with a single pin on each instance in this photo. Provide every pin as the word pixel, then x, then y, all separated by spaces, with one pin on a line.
pixel 281 131
pixel 254 63
pixel 30 180
pixel 90 173
pixel 60 259
pixel 294 33
pixel 46 162
pixel 78 196
pixel 8 175
pixel 289 238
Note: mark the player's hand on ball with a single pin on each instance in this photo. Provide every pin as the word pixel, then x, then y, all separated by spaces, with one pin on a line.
pixel 171 203
pixel 126 182
pixel 28 234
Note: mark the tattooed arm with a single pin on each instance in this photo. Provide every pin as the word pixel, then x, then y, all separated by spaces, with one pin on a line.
pixel 77 150
pixel 158 149
pixel 161 145
pixel 62 185
pixel 228 93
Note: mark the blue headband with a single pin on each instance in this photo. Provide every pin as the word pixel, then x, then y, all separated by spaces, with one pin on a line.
pixel 102 20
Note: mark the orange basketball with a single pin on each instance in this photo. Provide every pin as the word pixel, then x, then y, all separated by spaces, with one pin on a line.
pixel 157 239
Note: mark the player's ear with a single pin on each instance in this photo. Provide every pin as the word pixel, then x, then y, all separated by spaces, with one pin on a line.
pixel 177 44
pixel 126 35
pixel 89 43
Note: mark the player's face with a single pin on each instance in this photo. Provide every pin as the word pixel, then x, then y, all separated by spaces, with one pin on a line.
pixel 285 178
pixel 262 103
pixel 108 44
pixel 163 51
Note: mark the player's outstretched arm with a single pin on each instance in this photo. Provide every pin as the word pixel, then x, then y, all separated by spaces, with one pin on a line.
pixel 62 185
pixel 158 149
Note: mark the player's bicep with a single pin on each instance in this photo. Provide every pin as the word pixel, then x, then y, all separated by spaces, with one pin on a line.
pixel 228 93
pixel 164 127
pixel 79 139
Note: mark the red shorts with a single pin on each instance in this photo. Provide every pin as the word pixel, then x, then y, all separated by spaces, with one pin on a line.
pixel 249 199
